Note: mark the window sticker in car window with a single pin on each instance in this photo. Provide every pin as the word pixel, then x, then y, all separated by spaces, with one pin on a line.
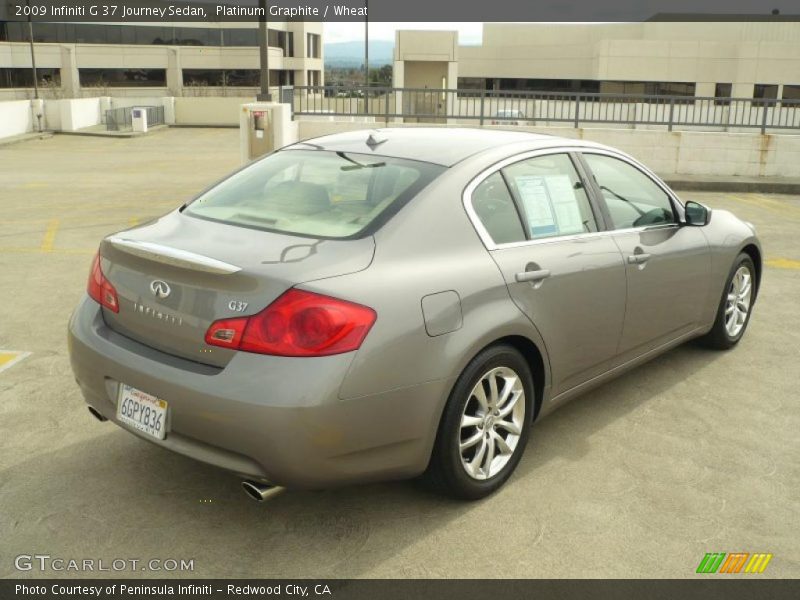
pixel 537 204
pixel 568 213
pixel 550 204
pixel 562 195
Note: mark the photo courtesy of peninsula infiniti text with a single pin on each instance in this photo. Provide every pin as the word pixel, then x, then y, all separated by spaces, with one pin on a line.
pixel 404 302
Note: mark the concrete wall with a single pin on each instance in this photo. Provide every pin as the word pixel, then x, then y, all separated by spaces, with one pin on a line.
pixel 52 115
pixel 701 153
pixel 79 114
pixel 16 118
pixel 425 59
pixel 75 114
pixel 425 74
pixel 209 111
pixel 426 45
pixel 667 153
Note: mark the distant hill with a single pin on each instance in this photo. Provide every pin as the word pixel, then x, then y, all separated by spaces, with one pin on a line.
pixel 351 54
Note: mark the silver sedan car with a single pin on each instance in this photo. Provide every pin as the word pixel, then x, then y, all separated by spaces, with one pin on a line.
pixel 402 302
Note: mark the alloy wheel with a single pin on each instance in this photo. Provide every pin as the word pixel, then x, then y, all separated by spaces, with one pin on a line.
pixel 737 303
pixel 492 422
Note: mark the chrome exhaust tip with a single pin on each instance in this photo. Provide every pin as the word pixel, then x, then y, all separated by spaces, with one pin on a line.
pixel 96 414
pixel 261 492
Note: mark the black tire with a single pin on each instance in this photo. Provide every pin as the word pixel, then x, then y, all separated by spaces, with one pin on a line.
pixel 446 473
pixel 719 338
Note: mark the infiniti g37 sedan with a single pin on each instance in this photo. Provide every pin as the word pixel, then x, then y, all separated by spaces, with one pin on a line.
pixel 381 305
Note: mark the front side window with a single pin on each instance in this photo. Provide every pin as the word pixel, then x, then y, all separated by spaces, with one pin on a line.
pixel 551 196
pixel 315 193
pixel 632 198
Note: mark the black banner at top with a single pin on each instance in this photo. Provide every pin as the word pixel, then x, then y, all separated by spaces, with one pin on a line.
pixel 122 11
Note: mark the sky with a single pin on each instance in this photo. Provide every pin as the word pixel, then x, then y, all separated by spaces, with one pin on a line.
pixel 468 33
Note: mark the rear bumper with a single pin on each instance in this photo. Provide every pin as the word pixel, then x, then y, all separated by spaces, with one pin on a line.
pixel 274 419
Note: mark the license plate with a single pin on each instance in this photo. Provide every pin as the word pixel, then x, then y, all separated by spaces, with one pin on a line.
pixel 142 411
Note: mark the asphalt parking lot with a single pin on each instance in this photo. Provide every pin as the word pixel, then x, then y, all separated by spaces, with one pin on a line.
pixel 696 452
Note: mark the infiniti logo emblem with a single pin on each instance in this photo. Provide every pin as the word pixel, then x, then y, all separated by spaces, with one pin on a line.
pixel 160 288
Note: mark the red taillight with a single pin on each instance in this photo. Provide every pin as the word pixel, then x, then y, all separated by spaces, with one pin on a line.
pixel 100 289
pixel 226 333
pixel 298 323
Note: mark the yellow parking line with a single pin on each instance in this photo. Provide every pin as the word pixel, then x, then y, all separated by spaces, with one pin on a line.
pixel 783 263
pixel 22 250
pixel 133 221
pixel 50 235
pixel 100 220
pixel 768 204
pixel 777 203
pixel 8 358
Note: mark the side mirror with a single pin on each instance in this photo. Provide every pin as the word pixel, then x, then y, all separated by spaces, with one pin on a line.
pixel 696 214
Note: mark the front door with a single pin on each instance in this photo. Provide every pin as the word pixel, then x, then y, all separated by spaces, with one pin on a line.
pixel 668 264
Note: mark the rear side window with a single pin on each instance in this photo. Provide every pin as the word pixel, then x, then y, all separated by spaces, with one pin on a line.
pixel 315 193
pixel 551 196
pixel 495 208
pixel 632 198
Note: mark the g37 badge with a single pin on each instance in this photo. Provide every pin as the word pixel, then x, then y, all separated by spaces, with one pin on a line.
pixel 237 305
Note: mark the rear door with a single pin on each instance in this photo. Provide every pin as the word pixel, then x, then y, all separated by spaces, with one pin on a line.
pixel 668 265
pixel 541 228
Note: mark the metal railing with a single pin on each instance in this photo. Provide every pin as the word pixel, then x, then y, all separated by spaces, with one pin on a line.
pixel 121 119
pixel 541 108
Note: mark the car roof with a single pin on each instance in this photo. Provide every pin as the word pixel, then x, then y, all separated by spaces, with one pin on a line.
pixel 444 146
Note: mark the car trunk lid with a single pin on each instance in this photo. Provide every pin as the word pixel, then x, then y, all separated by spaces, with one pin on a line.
pixel 177 275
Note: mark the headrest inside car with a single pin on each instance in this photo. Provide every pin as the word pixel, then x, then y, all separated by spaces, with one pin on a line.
pixel 298 198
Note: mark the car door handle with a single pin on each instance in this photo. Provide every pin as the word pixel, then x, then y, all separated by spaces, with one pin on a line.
pixel 638 259
pixel 532 275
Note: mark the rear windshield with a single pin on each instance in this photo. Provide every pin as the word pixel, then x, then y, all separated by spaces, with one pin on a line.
pixel 315 193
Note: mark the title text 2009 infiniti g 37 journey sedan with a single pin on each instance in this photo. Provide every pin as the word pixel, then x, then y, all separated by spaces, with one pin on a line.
pixel 378 305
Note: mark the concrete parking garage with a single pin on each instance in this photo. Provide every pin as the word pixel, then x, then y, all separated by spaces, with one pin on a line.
pixel 696 452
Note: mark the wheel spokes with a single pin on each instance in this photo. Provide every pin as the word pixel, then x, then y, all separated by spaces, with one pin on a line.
pixel 469 421
pixel 493 392
pixel 509 383
pixel 738 301
pixel 502 445
pixel 477 461
pixel 490 448
pixel 744 290
pixel 509 426
pixel 480 396
pixel 492 423
pixel 506 410
pixel 471 441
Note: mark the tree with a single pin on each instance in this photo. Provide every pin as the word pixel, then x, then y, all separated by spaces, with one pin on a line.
pixel 381 75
